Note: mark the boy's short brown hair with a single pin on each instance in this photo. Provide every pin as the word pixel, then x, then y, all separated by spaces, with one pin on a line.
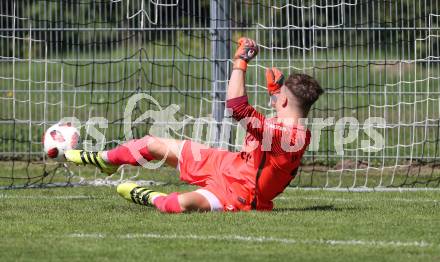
pixel 305 88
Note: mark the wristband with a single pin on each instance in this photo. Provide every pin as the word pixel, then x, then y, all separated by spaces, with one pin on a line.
pixel 240 64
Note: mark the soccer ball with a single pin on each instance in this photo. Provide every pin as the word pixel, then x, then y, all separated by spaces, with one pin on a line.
pixel 59 138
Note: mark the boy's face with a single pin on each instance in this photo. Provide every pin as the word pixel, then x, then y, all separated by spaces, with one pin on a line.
pixel 278 99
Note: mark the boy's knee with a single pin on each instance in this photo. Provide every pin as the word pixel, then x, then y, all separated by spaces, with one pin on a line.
pixel 193 201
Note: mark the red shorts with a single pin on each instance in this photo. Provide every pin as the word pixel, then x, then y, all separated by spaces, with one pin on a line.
pixel 210 168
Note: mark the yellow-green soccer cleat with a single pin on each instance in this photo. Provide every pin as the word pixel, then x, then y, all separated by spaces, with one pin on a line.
pixel 139 195
pixel 82 157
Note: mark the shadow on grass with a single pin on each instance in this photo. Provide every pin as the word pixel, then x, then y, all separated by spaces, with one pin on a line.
pixel 315 208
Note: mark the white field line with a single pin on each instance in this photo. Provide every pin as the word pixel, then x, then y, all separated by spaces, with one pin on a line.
pixel 414 200
pixel 329 242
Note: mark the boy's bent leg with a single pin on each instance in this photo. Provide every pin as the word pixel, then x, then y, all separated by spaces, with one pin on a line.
pixel 133 152
pixel 166 147
pixel 148 148
pixel 81 157
pixel 172 203
pixel 214 202
pixel 178 203
pixel 194 201
pixel 200 200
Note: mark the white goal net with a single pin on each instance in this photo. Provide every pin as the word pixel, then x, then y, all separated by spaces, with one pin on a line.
pixel 376 127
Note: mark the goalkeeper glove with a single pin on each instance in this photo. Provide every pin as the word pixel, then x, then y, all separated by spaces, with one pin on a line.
pixel 274 80
pixel 247 49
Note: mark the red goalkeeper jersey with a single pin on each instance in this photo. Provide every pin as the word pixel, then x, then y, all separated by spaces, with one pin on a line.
pixel 271 153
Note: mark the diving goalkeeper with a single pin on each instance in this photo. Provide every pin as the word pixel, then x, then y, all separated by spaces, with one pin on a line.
pixel 228 181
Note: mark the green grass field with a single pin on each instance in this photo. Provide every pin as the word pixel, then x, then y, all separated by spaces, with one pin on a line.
pixel 95 224
pixel 56 61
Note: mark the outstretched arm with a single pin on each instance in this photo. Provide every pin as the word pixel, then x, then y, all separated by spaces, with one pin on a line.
pixel 236 87
pixel 247 49
pixel 237 100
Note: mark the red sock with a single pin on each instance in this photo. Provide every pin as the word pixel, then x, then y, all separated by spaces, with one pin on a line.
pixel 168 204
pixel 130 152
